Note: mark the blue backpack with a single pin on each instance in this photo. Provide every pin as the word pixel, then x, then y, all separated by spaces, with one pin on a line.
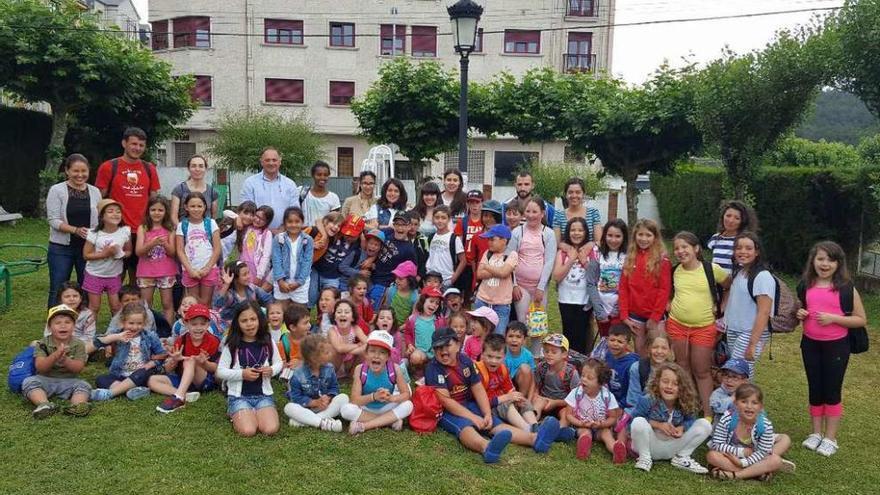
pixel 23 367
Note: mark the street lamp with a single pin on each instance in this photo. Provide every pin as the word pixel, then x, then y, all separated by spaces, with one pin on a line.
pixel 465 15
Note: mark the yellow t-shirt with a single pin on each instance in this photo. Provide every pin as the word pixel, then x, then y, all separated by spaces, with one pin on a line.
pixel 692 302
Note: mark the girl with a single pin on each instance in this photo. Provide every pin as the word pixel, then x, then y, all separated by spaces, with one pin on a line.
pixel 362 305
pixel 255 249
pixel 574 201
pixel 403 294
pixel 198 248
pixel 825 345
pixel 421 325
pixel 481 322
pixel 535 246
pixel 453 194
pixel 326 302
pixel 247 364
pixel 645 283
pixel 345 337
pixel 236 288
pixel 233 225
pixel 429 197
pixel 275 319
pixel 458 322
pixel 385 321
pixel 155 247
pixel 373 401
pixel 593 410
pixel 359 204
pixel 743 444
pixel 747 315
pixel 314 391
pixel 659 353
pixel 569 272
pixel 693 311
pixel 198 170
pixel 392 200
pixel 292 259
pixel 736 218
pixel 663 425
pixel 105 248
pixel 339 263
pixel 604 272
pixel 325 269
pixel 84 328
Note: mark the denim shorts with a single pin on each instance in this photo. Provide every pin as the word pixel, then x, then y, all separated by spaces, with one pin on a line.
pixel 456 424
pixel 205 386
pixel 248 403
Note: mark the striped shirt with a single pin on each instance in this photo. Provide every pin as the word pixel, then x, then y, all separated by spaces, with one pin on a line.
pixel 722 251
pixel 761 437
pixel 560 221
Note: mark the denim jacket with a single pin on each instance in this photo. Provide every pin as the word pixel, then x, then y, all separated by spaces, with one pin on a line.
pixel 304 386
pixel 226 303
pixel 150 346
pixel 655 410
pixel 281 269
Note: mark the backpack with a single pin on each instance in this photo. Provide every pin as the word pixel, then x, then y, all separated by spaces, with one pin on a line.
pixel 392 374
pixel 184 226
pixel 114 167
pixel 426 410
pixel 452 254
pixel 714 288
pixel 858 337
pixel 567 374
pixel 783 317
pixel 644 371
pixel 23 367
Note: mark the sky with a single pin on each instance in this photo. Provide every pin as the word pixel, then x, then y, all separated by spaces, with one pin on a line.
pixel 638 50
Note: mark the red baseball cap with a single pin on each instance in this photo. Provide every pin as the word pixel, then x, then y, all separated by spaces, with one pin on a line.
pixel 353 225
pixel 431 291
pixel 197 310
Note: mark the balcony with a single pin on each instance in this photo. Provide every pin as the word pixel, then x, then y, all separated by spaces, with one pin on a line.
pixel 582 8
pixel 579 62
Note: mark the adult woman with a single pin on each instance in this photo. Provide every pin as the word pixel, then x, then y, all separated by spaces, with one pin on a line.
pixel 573 199
pixel 453 195
pixel 429 194
pixel 198 170
pixel 72 210
pixel 365 198
pixel 392 200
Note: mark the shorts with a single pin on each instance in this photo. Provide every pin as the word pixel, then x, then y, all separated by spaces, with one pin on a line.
pixel 210 279
pixel 55 387
pixel 698 336
pixel 158 282
pixel 456 424
pixel 205 386
pixel 503 408
pixel 139 378
pixel 99 285
pixel 235 405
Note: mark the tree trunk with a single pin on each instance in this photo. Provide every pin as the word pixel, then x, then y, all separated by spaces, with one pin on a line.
pixel 632 200
pixel 54 154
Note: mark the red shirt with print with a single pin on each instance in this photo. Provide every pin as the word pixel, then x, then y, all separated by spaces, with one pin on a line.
pixel 474 227
pixel 131 187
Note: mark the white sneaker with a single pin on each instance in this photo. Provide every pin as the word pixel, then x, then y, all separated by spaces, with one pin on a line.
pixel 644 464
pixel 330 424
pixel 294 423
pixel 812 442
pixel 687 463
pixel 192 397
pixel 827 448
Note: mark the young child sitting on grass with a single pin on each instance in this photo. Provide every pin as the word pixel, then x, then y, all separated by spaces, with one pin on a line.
pixel 593 410
pixel 507 403
pixel 519 359
pixel 314 391
pixel 555 377
pixel 299 323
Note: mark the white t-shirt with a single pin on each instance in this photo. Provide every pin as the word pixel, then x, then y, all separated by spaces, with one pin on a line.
pixel 588 408
pixel 573 288
pixel 741 310
pixel 610 270
pixel 197 245
pixel 107 267
pixel 315 208
pixel 439 258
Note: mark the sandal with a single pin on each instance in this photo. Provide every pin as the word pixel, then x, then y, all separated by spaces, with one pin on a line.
pixel 766 477
pixel 722 475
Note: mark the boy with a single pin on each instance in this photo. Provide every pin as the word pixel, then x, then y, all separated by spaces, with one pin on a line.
pixel 418 240
pixel 299 323
pixel 317 200
pixel 619 361
pixel 490 215
pixel 58 359
pixel 734 373
pixel 467 228
pixel 441 247
pixel 131 294
pixel 396 249
pixel 495 273
pixel 467 413
pixel 555 377
pixel 191 363
pixel 179 327
pixel 452 301
pixel 518 359
pixel 513 214
pixel 432 279
pixel 507 403
pixel 366 262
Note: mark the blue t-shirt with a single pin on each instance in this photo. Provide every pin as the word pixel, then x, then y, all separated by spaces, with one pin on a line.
pixel 375 381
pixel 457 379
pixel 619 384
pixel 393 253
pixel 424 332
pixel 514 362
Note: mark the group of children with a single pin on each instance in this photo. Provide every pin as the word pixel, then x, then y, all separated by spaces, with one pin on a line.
pixel 388 314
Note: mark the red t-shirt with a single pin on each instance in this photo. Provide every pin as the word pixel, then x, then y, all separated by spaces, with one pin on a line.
pixel 365 315
pixel 496 383
pixel 210 344
pixel 473 228
pixel 131 188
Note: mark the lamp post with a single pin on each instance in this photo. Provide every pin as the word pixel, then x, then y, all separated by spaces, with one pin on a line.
pixel 465 15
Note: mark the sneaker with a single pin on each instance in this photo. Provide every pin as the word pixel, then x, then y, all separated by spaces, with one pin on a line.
pixel 787 466
pixel 80 410
pixel 688 464
pixel 44 410
pixel 330 424
pixel 100 394
pixel 355 427
pixel 618 455
pixel 192 397
pixel 496 446
pixel 137 393
pixel 170 404
pixel 827 448
pixel 294 423
pixel 397 425
pixel 584 446
pixel 644 464
pixel 566 434
pixel 812 441
pixel 546 435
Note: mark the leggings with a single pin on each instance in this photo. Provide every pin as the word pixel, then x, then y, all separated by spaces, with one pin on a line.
pixel 352 412
pixel 825 362
pixel 649 445
pixel 308 417
pixel 576 327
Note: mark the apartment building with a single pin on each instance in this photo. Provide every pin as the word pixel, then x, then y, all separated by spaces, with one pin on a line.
pixel 119 13
pixel 314 56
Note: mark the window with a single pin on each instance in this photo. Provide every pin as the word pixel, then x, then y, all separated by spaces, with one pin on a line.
pixel 202 91
pixel 341 92
pixel 344 162
pixel 192 31
pixel 160 35
pixel 341 34
pixel 183 152
pixel 516 41
pixel 403 170
pixel 478 41
pixel 392 43
pixel 284 90
pixel 508 163
pixel 578 58
pixel 424 41
pixel 581 8
pixel 476 166
pixel 283 32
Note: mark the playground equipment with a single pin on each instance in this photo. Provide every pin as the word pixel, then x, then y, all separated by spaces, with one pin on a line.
pixel 15 260
pixel 380 161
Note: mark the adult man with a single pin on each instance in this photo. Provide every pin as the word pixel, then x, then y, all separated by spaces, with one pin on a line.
pixel 524 186
pixel 130 181
pixel 270 187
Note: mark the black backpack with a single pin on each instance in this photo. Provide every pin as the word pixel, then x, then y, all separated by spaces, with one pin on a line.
pixel 714 288
pixel 858 337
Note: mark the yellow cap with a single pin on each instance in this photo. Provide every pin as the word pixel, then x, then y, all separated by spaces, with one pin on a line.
pixel 61 309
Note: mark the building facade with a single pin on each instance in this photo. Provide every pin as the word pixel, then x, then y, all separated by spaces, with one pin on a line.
pixel 119 13
pixel 315 56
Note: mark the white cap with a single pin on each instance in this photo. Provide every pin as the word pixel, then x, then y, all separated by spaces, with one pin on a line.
pixel 381 338
pixel 451 290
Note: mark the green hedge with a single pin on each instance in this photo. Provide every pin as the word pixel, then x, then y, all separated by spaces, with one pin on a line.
pixel 689 198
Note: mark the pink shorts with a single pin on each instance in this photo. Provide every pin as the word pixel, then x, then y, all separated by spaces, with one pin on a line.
pixel 210 279
pixel 99 285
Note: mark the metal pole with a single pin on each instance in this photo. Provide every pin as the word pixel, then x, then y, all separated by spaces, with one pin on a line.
pixel 463 117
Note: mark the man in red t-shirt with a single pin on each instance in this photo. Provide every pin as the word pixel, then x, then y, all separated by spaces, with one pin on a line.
pixel 132 186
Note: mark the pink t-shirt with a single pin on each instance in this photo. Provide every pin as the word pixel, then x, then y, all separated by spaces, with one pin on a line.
pixel 531 257
pixel 823 300
pixel 156 263
pixel 497 290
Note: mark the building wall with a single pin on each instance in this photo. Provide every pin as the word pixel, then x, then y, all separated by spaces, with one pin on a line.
pixel 124 16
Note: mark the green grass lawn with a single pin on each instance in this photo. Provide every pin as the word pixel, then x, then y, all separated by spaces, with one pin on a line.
pixel 127 447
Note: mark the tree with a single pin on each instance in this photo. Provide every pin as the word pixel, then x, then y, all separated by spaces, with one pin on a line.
pixel 838 116
pixel 857 32
pixel 550 178
pixel 241 138
pixel 869 149
pixel 413 105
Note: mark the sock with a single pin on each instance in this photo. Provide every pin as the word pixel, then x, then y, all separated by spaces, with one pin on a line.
pixel 496 446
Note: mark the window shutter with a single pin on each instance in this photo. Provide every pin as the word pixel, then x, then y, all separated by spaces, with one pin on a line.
pixel 341 92
pixel 284 90
pixel 160 35
pixel 424 41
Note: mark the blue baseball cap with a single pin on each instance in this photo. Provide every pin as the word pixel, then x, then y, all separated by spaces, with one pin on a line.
pixel 738 366
pixel 378 234
pixel 499 230
pixel 492 206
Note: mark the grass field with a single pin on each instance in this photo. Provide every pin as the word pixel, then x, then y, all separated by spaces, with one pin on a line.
pixel 127 447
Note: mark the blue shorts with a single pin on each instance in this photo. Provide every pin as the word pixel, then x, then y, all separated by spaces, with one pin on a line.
pixel 456 424
pixel 248 403
pixel 206 385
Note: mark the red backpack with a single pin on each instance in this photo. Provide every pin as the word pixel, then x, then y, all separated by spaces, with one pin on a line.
pixel 426 410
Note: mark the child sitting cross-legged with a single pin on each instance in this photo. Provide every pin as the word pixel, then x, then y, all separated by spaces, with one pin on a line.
pixel 191 363
pixel 507 403
pixel 299 323
pixel 374 403
pixel 593 410
pixel 314 391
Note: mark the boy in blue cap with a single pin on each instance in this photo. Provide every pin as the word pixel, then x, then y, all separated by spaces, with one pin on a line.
pixel 734 373
pixel 495 273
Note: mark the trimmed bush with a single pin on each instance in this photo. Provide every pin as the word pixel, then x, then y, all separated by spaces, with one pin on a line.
pixel 689 198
